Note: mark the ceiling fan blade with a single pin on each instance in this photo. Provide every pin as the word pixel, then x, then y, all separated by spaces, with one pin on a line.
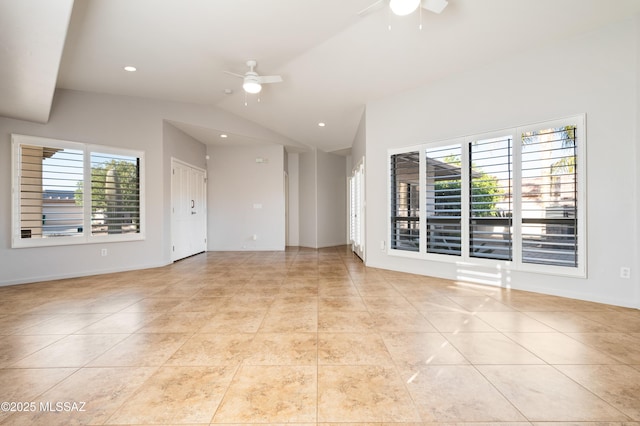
pixel 435 6
pixel 233 74
pixel 372 7
pixel 270 79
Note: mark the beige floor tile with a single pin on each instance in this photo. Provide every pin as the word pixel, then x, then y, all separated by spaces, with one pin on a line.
pixel 543 393
pixel 95 392
pixel 24 384
pixel 491 348
pixel 141 350
pixel 569 322
pixel 14 348
pixel 363 394
pixel 294 303
pixel 176 322
pixel 14 323
pixel 63 324
pixel 213 349
pixel 622 347
pixel 513 322
pixel 202 304
pixel 283 349
pixel 234 321
pixel 411 351
pixel 154 304
pixel 377 289
pixel 270 394
pixel 290 321
pixel 250 302
pixel 480 304
pixel 435 303
pixel 450 393
pixel 176 395
pixel 352 349
pixel 351 303
pixel 457 322
pixel 347 322
pixel 71 351
pixel 221 290
pixel 124 322
pixel 619 385
pixel 385 304
pixel 624 322
pixel 399 320
pixel 557 348
pixel 337 289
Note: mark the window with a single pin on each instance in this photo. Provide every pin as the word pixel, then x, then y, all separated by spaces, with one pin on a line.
pixel 443 191
pixel 405 201
pixel 512 196
pixel 549 202
pixel 73 193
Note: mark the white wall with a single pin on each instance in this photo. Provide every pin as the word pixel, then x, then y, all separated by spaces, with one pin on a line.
pixel 596 74
pixel 246 198
pixel 308 199
pixel 359 147
pixel 293 161
pixel 118 121
pixel 635 274
pixel 332 199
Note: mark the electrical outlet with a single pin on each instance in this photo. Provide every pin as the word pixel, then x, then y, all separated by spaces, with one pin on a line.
pixel 103 252
pixel 625 272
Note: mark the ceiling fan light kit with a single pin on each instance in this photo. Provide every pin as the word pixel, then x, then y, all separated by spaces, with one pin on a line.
pixel 404 7
pixel 251 84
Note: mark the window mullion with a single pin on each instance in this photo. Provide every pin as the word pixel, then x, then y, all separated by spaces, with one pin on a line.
pixel 86 196
pixel 464 197
pixel 422 214
pixel 516 203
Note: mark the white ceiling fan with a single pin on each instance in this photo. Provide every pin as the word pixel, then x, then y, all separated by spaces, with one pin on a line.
pixel 407 7
pixel 252 82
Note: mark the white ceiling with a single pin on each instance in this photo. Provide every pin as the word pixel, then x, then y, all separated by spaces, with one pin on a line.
pixel 332 61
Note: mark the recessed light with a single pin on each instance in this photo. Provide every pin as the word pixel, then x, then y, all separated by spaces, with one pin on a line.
pixel 129 68
pixel 321 124
pixel 223 136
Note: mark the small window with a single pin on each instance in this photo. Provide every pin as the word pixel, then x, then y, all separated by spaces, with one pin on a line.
pixel 73 193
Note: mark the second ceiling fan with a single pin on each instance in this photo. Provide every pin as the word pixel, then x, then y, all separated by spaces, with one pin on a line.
pixel 252 82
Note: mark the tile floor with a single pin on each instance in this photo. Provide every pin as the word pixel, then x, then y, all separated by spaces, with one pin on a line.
pixel 309 337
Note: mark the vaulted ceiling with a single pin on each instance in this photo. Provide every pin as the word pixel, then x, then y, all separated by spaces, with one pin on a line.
pixel 332 60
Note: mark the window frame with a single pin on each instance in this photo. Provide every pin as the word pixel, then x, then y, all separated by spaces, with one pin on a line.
pixel 85 237
pixel 516 264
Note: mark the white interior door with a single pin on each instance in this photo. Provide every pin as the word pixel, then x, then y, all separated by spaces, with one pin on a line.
pixel 188 210
pixel 357 210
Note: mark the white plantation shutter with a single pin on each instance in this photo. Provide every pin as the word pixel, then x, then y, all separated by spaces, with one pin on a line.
pixel 549 203
pixel 405 201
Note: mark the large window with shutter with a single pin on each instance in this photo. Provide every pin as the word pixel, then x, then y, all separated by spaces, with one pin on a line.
pixel 514 198
pixel 73 193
